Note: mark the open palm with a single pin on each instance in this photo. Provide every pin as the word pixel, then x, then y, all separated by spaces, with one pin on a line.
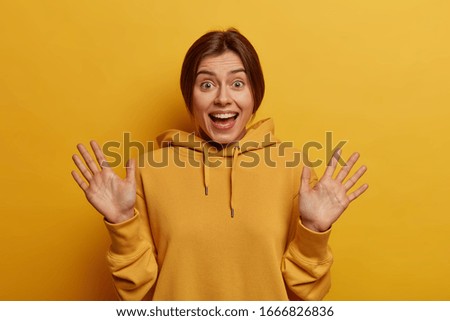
pixel 111 195
pixel 323 204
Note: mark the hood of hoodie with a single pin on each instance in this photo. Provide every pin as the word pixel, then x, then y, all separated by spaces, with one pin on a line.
pixel 258 136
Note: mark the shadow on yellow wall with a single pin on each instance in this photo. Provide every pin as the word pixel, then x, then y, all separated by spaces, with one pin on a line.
pixel 373 73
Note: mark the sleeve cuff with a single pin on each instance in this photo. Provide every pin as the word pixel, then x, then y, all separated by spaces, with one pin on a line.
pixel 124 236
pixel 311 245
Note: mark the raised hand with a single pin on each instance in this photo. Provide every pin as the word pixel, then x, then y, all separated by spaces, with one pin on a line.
pixel 111 195
pixel 323 204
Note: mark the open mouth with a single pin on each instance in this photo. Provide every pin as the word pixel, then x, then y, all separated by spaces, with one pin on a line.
pixel 223 117
pixel 223 120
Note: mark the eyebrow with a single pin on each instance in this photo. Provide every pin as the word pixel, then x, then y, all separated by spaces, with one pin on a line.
pixel 207 72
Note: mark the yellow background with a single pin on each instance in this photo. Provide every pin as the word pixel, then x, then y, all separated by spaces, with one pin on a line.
pixel 375 73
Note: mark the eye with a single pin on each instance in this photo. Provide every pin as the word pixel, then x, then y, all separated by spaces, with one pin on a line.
pixel 206 85
pixel 238 84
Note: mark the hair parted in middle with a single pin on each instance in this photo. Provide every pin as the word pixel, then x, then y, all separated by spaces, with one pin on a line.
pixel 215 43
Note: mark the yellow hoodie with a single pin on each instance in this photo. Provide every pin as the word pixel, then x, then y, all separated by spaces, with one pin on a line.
pixel 219 224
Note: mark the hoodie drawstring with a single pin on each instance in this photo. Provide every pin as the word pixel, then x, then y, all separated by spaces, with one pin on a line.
pixel 261 133
pixel 205 168
pixel 236 150
pixel 232 176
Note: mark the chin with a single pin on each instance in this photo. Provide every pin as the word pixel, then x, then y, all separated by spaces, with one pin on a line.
pixel 225 138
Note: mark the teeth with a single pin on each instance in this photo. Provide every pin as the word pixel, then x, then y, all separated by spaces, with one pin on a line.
pixel 224 116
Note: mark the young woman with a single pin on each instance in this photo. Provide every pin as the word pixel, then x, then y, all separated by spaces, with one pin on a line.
pixel 225 213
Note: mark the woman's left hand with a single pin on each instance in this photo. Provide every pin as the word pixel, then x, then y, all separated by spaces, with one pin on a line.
pixel 323 204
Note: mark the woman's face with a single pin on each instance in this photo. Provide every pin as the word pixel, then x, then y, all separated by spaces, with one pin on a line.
pixel 222 102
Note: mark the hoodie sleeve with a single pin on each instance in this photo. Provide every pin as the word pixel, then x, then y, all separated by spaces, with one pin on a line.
pixel 307 260
pixel 306 264
pixel 131 257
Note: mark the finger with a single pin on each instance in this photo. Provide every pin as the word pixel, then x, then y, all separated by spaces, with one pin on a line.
pixel 358 192
pixel 354 179
pixel 331 167
pixel 347 167
pixel 99 155
pixel 131 168
pixel 306 177
pixel 83 169
pixel 88 159
pixel 79 181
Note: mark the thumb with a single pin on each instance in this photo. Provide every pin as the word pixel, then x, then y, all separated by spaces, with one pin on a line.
pixel 306 176
pixel 131 168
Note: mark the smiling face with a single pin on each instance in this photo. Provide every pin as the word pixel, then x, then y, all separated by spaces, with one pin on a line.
pixel 222 101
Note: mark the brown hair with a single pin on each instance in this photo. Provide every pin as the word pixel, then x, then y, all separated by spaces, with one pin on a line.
pixel 215 43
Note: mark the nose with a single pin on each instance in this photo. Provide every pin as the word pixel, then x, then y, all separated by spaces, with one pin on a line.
pixel 223 97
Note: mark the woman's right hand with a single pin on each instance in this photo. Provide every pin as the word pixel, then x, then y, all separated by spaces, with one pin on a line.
pixel 111 195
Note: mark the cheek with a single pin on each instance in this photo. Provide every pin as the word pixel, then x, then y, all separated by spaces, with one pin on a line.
pixel 198 111
pixel 199 102
pixel 248 102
